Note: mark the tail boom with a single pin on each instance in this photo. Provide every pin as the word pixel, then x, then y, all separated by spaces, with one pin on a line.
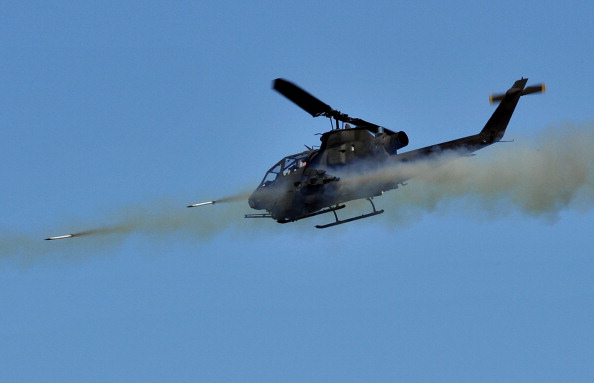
pixel 491 133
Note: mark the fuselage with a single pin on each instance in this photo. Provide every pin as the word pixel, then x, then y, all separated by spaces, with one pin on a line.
pixel 303 183
pixel 360 162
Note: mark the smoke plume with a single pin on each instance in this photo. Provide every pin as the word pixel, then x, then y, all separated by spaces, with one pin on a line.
pixel 163 220
pixel 538 176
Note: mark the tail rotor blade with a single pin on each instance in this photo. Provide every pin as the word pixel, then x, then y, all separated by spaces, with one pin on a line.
pixel 540 88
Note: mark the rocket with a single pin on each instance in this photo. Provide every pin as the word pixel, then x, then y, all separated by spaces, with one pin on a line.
pixel 60 237
pixel 203 203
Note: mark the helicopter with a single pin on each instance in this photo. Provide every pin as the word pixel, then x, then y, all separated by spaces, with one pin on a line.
pixel 320 181
pixel 355 160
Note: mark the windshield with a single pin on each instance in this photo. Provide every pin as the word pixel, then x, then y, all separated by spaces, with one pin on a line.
pixel 286 166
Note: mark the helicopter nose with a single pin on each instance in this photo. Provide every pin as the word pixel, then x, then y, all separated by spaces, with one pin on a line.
pixel 253 204
pixel 255 200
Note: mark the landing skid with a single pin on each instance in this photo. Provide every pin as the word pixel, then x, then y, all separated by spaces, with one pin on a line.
pixel 340 222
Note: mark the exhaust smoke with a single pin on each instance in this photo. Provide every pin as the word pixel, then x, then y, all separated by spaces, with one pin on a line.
pixel 536 176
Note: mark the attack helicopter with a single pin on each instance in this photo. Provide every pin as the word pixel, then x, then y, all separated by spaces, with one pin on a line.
pixel 320 181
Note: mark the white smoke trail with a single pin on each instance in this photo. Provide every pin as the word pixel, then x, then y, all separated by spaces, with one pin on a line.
pixel 158 221
pixel 538 176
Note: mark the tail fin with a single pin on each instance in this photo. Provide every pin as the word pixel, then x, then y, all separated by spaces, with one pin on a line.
pixel 495 128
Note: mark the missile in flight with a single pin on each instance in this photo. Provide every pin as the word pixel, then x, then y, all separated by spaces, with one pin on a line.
pixel 203 203
pixel 60 237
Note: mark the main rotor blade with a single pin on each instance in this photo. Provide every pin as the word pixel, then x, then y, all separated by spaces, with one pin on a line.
pixel 300 97
pixel 315 107
pixel 363 124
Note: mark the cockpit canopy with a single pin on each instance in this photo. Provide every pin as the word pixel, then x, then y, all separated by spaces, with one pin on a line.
pixel 286 166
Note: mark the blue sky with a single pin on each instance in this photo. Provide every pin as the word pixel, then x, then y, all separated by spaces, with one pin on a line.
pixel 118 113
